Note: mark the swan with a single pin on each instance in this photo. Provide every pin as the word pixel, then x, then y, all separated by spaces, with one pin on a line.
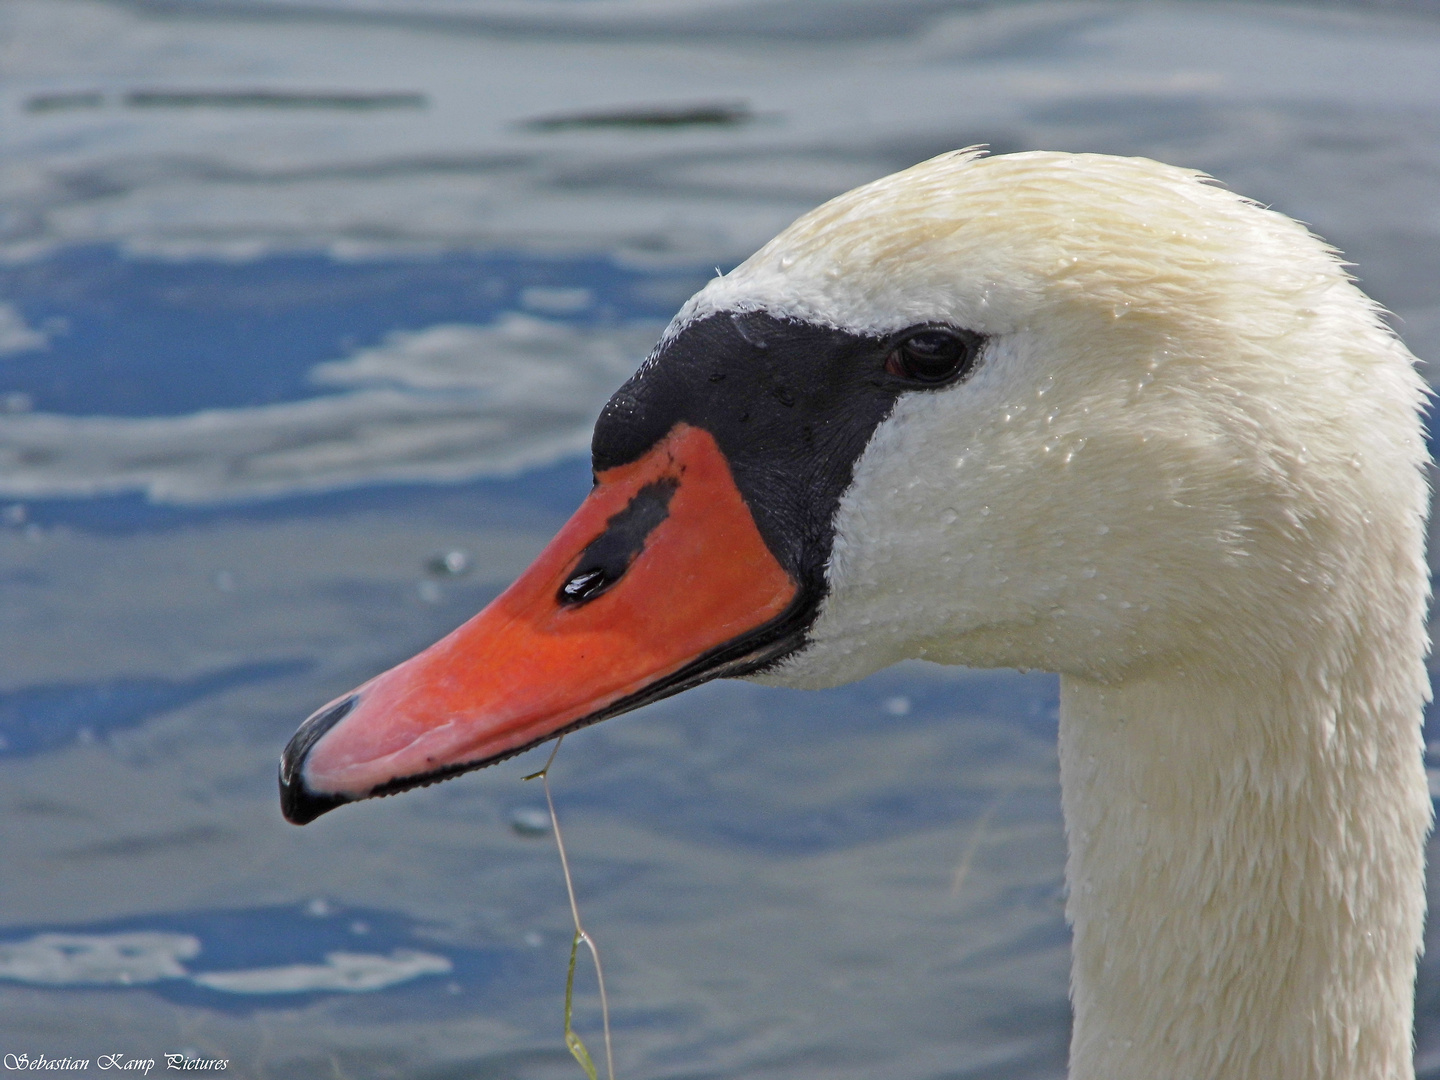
pixel 1092 415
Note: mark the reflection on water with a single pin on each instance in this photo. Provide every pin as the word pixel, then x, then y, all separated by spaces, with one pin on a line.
pixel 305 312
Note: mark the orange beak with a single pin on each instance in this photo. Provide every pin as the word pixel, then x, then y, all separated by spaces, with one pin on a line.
pixel 660 581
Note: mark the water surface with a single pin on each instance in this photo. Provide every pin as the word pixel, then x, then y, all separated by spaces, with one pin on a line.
pixel 306 310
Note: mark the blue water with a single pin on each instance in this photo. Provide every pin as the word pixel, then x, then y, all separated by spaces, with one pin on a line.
pixel 856 884
pixel 34 719
pixel 246 939
pixel 147 337
pixel 539 495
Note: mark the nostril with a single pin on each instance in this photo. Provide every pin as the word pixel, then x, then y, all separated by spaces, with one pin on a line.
pixel 606 559
pixel 584 586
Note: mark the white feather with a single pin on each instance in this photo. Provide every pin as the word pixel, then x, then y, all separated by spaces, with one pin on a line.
pixel 1186 475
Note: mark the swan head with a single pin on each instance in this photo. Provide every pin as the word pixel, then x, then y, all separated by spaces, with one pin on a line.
pixel 1182 423
pixel 1069 412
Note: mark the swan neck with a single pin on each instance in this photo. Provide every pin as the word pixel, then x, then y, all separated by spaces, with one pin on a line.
pixel 1245 874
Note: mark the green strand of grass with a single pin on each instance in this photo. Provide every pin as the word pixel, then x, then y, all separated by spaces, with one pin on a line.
pixel 572 1040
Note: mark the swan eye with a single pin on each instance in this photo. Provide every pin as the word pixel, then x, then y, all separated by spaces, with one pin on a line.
pixel 932 355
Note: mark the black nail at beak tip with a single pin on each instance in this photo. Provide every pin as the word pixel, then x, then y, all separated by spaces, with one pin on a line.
pixel 302 806
pixel 298 803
